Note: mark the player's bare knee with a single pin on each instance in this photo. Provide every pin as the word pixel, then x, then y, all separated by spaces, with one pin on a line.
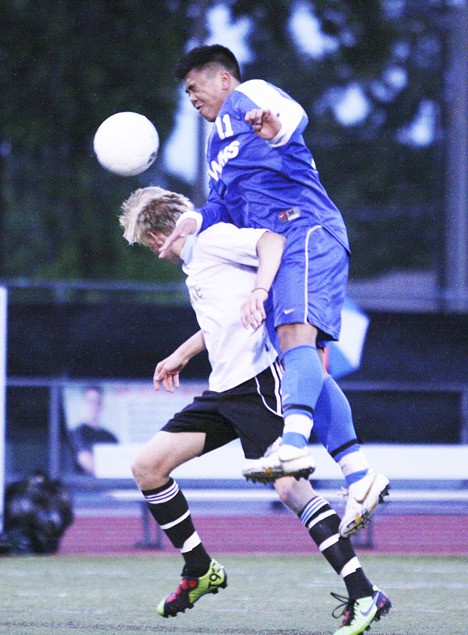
pixel 138 469
pixel 147 471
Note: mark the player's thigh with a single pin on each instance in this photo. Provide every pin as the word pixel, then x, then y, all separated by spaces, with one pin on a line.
pixel 167 450
pixel 204 415
pixel 292 335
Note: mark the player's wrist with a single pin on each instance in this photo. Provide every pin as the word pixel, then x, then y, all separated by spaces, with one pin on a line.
pixel 260 289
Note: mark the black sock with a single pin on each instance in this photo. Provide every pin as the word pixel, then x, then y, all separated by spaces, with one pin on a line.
pixel 169 508
pixel 323 525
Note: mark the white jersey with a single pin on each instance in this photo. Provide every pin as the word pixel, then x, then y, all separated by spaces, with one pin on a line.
pixel 221 265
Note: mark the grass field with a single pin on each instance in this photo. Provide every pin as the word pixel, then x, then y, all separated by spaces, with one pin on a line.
pixel 265 596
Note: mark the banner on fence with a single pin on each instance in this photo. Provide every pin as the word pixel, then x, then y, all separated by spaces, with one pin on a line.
pixel 119 413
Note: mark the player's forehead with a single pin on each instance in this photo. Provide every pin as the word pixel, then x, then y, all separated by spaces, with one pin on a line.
pixel 198 77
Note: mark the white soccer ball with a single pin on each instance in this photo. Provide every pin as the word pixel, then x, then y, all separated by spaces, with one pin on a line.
pixel 126 143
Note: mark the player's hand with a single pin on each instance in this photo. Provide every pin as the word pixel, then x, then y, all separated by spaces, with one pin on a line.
pixel 167 373
pixel 184 228
pixel 253 309
pixel 264 123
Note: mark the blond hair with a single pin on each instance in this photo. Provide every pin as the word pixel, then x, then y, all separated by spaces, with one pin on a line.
pixel 151 209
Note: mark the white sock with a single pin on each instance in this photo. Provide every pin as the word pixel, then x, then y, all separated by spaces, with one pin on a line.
pixel 298 424
pixel 353 462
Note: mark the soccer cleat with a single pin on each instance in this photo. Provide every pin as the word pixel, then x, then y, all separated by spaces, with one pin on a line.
pixel 280 460
pixel 190 590
pixel 358 615
pixel 363 496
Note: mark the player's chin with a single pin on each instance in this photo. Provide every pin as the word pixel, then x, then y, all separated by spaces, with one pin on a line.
pixel 207 115
pixel 171 257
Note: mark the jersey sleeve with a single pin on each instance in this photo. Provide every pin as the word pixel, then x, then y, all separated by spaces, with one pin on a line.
pixel 214 211
pixel 232 244
pixel 263 95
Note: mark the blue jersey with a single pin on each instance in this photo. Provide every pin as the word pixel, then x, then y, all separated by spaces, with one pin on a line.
pixel 272 184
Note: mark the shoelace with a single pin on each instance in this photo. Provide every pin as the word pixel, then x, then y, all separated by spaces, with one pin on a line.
pixel 345 605
pixel 343 492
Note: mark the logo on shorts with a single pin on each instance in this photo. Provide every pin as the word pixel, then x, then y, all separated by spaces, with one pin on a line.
pixel 289 214
pixel 288 311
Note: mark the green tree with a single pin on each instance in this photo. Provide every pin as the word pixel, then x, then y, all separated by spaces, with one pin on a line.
pixel 390 55
pixel 65 67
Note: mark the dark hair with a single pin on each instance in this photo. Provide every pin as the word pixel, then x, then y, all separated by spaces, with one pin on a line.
pixel 204 55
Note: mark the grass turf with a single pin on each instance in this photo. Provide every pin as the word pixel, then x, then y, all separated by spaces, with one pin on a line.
pixel 265 596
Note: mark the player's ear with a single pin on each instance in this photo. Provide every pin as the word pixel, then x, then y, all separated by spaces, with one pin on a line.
pixel 158 238
pixel 226 80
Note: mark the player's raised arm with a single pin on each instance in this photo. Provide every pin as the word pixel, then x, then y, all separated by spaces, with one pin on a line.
pixel 194 221
pixel 167 370
pixel 273 115
pixel 269 251
pixel 186 227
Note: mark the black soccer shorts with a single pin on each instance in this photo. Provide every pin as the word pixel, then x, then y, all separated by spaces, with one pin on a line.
pixel 250 412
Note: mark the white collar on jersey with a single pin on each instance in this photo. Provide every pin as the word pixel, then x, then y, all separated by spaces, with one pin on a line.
pixel 187 250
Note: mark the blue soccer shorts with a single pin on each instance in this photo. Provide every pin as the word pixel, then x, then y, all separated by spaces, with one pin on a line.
pixel 310 286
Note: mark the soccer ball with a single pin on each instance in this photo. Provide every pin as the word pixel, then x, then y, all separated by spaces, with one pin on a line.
pixel 126 143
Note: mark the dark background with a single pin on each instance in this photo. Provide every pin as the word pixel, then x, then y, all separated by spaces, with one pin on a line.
pixel 413 355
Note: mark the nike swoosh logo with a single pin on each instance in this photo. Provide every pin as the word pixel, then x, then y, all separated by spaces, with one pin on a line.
pixel 288 311
pixel 361 501
pixel 373 605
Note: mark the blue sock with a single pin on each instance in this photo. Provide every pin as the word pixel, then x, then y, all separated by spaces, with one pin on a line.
pixel 333 421
pixel 355 476
pixel 294 438
pixel 300 387
pixel 302 380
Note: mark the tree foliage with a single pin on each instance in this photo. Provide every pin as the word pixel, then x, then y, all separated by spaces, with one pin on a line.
pixel 389 57
pixel 67 65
